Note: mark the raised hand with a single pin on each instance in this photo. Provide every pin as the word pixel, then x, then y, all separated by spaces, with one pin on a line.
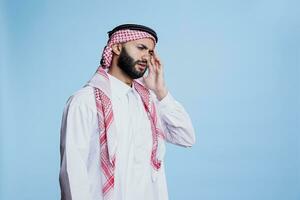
pixel 154 80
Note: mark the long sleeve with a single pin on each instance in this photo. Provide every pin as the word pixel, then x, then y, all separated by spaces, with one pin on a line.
pixel 77 124
pixel 176 122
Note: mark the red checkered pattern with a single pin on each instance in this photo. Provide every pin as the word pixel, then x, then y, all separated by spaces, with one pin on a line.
pixel 106 124
pixel 105 116
pixel 150 109
pixel 120 37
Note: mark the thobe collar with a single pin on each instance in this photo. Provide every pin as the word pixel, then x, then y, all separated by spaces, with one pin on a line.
pixel 119 88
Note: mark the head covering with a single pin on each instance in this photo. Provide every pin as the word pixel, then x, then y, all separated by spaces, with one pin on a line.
pixel 125 33
pixel 136 27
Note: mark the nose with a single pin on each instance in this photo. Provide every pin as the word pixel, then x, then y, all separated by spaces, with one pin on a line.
pixel 146 57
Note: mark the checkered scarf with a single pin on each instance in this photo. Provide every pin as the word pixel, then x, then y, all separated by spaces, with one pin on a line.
pixel 106 123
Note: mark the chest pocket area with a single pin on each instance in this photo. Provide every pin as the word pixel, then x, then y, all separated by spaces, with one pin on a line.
pixel 142 140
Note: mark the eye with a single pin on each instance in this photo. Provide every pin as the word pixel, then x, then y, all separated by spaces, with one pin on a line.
pixel 141 48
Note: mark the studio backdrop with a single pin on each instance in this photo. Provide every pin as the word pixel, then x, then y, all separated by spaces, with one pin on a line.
pixel 234 65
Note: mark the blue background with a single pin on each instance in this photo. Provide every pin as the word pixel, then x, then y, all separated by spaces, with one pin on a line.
pixel 234 65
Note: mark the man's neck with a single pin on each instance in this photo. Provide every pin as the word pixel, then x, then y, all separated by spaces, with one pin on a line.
pixel 119 74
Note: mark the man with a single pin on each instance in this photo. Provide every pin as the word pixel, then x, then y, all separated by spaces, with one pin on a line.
pixel 113 129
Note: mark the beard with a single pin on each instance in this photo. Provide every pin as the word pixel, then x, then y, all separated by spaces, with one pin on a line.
pixel 127 65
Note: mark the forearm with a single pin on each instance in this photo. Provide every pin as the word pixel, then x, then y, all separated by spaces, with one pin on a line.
pixel 161 92
pixel 176 122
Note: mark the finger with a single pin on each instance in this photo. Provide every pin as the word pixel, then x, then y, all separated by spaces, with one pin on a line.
pixel 154 64
pixel 156 57
pixel 157 61
pixel 151 65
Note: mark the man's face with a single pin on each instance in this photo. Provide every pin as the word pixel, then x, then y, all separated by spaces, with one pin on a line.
pixel 135 57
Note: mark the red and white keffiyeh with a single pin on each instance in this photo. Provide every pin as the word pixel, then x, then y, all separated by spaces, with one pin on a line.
pixel 107 127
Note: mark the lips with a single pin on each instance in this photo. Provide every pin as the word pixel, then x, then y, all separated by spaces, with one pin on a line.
pixel 142 66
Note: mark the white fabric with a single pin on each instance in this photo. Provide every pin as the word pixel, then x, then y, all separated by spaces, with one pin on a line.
pixel 80 152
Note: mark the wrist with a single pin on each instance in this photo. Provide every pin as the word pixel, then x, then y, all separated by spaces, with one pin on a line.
pixel 161 93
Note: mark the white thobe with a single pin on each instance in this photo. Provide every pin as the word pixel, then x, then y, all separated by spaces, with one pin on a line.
pixel 80 148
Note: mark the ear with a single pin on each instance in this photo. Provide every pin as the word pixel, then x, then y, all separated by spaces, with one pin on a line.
pixel 117 48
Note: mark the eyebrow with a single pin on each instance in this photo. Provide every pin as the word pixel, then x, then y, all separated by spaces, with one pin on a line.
pixel 145 47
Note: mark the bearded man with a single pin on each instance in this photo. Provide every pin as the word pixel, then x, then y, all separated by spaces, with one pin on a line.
pixel 114 129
